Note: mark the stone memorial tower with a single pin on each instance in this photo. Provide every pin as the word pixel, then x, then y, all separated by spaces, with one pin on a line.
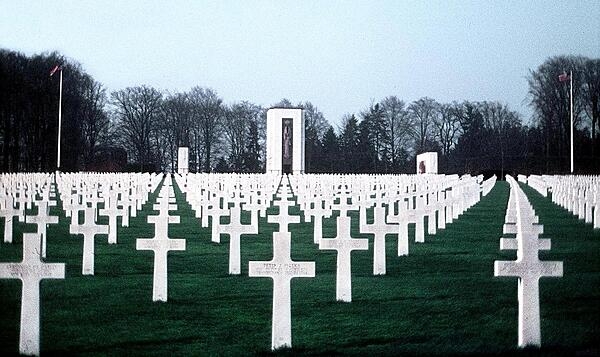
pixel 285 140
pixel 182 160
pixel 427 163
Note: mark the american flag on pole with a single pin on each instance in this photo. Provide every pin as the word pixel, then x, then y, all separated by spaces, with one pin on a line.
pixel 564 77
pixel 55 69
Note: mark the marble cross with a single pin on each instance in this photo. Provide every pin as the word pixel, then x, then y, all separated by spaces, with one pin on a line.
pixel 31 270
pixel 89 229
pixel 344 244
pixel 42 219
pixel 111 210
pixel 528 269
pixel 235 229
pixel 215 212
pixel 161 244
pixel 379 228
pixel 283 219
pixel 282 269
pixel 9 212
pixel 316 214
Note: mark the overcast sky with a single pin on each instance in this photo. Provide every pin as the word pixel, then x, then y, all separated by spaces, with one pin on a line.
pixel 340 55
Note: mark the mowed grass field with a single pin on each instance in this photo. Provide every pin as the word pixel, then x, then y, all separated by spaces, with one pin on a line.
pixel 441 299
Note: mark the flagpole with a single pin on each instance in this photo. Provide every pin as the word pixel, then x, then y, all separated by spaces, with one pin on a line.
pixel 571 97
pixel 59 120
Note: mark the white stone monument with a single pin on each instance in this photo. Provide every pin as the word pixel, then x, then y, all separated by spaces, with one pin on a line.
pixel 427 163
pixel 183 160
pixel 285 140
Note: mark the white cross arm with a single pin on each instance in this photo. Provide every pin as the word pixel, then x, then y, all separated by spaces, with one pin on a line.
pixel 512 228
pixel 513 244
pixel 161 218
pixel 330 243
pixel 41 271
pixel 538 269
pixel 156 244
pixel 552 269
pixel 508 244
pixel 273 270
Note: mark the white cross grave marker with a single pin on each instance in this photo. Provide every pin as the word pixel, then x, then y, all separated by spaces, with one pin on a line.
pixel 215 212
pixel 529 269
pixel 31 270
pixel 316 214
pixel 9 212
pixel 112 211
pixel 282 269
pixel 379 228
pixel 161 244
pixel 42 219
pixel 89 229
pixel 235 229
pixel 344 244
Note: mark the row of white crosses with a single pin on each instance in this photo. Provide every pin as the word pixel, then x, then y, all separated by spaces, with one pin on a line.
pixel 228 195
pixel 282 269
pixel 521 220
pixel 28 190
pixel 38 189
pixel 161 244
pixel 397 201
pixel 20 192
pixel 216 195
pixel 213 196
pixel 580 195
pixel 121 194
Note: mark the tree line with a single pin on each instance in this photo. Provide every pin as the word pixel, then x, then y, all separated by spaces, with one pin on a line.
pixel 140 128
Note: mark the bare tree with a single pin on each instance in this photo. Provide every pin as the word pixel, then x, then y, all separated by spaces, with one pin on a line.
pixel 399 126
pixel 315 126
pixel 500 123
pixel 447 125
pixel 423 112
pixel 177 123
pixel 207 114
pixel 95 124
pixel 314 119
pixel 237 125
pixel 549 98
pixel 137 110
pixel 591 95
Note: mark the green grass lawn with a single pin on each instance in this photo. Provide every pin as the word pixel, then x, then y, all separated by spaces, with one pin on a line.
pixel 441 299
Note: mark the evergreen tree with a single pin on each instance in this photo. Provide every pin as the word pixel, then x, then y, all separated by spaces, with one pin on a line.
pixel 366 155
pixel 378 148
pixel 222 166
pixel 312 147
pixel 330 161
pixel 251 156
pixel 349 144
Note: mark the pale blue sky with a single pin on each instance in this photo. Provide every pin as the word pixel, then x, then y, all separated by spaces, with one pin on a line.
pixel 340 55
